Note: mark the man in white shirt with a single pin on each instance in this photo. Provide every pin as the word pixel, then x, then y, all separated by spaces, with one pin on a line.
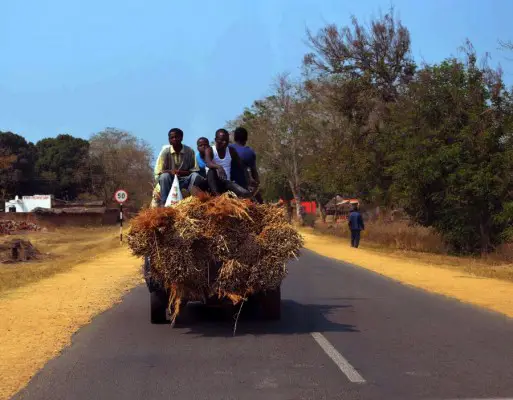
pixel 219 160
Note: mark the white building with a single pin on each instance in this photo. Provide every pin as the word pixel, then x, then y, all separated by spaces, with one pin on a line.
pixel 28 203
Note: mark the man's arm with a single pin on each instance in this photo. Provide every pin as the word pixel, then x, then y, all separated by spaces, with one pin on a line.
pixel 195 168
pixel 254 171
pixel 159 164
pixel 361 221
pixel 209 159
pixel 209 162
pixel 181 172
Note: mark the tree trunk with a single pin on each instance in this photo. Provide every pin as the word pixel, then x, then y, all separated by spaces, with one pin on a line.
pixel 295 185
pixel 299 214
pixel 485 237
pixel 289 211
pixel 297 198
pixel 322 209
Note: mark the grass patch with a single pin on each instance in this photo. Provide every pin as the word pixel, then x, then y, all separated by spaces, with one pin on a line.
pixel 399 241
pixel 396 235
pixel 61 250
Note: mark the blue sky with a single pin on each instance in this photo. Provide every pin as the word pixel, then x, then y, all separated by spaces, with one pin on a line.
pixel 76 67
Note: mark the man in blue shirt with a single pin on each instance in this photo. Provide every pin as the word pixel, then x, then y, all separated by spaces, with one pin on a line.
pixel 248 157
pixel 356 225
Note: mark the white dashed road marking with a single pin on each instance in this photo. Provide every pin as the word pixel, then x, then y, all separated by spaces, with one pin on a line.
pixel 341 362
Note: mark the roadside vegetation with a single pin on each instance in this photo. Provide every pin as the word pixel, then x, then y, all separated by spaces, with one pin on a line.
pixel 366 120
pixel 60 250
pixel 72 168
pixel 418 245
pixel 466 279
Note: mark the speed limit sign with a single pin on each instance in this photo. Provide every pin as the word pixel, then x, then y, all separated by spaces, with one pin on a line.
pixel 121 196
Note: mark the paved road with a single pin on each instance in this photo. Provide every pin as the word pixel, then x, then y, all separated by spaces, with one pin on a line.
pixel 346 333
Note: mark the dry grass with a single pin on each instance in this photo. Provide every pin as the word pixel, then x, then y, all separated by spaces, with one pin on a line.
pixel 252 242
pixel 39 318
pixel 449 276
pixel 61 250
pixel 399 241
pixel 394 235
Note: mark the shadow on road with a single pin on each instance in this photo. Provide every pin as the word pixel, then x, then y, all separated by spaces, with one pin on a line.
pixel 296 318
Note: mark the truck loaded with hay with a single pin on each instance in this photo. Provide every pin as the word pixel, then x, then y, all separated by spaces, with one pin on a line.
pixel 214 250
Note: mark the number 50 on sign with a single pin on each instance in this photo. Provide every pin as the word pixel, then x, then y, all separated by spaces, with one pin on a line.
pixel 121 196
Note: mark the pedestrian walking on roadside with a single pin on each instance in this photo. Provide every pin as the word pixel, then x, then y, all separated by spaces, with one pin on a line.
pixel 356 225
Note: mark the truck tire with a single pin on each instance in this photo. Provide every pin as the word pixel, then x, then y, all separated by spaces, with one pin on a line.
pixel 270 303
pixel 158 306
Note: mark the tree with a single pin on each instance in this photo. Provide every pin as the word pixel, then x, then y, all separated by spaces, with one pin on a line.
pixel 278 125
pixel 121 160
pixel 506 45
pixel 62 166
pixel 380 57
pixel 364 121
pixel 355 74
pixel 452 158
pixel 16 165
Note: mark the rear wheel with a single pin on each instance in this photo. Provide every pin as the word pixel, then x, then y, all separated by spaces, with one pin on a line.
pixel 158 306
pixel 270 304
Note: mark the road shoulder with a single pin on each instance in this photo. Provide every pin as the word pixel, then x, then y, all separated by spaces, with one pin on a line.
pixel 39 319
pixel 493 294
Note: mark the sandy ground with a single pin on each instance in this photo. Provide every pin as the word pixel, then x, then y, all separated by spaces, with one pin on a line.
pixel 39 319
pixel 60 250
pixel 494 294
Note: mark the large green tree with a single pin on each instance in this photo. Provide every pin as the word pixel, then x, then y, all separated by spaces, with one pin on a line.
pixel 16 165
pixel 366 122
pixel 452 155
pixel 355 73
pixel 62 166
pixel 279 130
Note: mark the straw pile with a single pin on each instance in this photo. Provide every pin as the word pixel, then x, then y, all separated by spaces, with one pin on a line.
pixel 252 241
pixel 16 250
pixel 8 227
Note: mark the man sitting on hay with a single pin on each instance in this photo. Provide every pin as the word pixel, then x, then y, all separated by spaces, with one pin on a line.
pixel 221 162
pixel 176 159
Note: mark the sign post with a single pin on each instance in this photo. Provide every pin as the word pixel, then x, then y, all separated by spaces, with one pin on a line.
pixel 121 196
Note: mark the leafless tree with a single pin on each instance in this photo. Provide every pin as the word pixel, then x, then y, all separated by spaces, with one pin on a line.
pixel 121 160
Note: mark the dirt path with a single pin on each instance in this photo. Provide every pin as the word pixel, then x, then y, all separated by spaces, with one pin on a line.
pixel 39 319
pixel 494 294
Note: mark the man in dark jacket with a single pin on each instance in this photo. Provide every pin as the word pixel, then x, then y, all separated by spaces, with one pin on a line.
pixel 356 225
pixel 248 157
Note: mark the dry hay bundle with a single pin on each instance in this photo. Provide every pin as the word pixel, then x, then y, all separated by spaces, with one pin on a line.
pixel 252 241
pixel 16 250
